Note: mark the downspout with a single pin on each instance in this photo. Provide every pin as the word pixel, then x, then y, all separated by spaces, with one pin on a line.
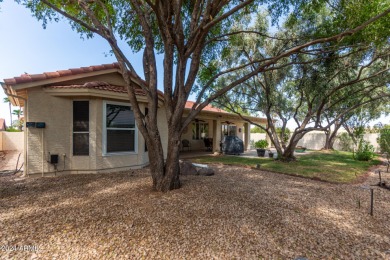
pixel 25 173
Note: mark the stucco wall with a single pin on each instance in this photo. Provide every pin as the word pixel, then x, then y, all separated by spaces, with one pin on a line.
pixel 57 137
pixel 316 140
pixel 11 141
pixel 256 137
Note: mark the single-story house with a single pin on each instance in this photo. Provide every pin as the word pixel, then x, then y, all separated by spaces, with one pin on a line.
pixel 3 127
pixel 80 120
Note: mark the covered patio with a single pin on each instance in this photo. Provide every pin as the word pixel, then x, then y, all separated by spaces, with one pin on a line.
pixel 205 133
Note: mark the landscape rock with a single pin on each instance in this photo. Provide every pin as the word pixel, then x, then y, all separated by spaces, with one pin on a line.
pixel 206 171
pixel 186 168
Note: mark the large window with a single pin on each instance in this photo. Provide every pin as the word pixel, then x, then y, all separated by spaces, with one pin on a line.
pixel 120 133
pixel 200 130
pixel 80 127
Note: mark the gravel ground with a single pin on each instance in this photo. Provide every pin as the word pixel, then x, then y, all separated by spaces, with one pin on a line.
pixel 238 213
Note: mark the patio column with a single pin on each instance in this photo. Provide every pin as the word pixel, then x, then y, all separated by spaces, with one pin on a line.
pixel 216 135
pixel 247 138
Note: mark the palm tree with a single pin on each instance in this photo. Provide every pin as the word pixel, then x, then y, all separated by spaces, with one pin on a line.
pixel 6 100
pixel 18 113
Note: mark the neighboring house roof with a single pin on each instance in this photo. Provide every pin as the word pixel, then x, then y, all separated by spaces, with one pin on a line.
pixel 3 127
pixel 25 78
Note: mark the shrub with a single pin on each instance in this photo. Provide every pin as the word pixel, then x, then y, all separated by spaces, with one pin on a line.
pixel 365 151
pixel 346 143
pixel 384 139
pixel 261 144
pixel 13 129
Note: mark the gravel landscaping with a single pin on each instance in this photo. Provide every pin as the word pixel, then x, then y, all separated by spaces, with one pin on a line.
pixel 237 213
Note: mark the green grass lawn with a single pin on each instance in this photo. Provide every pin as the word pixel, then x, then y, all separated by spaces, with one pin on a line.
pixel 333 166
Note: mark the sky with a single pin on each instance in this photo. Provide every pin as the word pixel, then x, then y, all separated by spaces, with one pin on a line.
pixel 25 47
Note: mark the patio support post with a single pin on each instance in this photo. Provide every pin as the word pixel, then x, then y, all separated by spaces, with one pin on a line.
pixel 216 135
pixel 247 132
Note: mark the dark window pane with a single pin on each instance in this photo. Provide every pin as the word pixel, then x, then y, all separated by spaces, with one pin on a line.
pixel 80 116
pixel 119 116
pixel 120 141
pixel 80 143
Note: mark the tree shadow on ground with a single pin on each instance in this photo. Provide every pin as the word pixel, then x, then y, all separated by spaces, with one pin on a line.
pixel 235 213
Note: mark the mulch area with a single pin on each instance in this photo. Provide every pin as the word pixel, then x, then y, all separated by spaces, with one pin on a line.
pixel 237 213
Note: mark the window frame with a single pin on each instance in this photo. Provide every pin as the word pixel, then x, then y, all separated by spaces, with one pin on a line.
pixel 104 130
pixel 81 132
pixel 198 129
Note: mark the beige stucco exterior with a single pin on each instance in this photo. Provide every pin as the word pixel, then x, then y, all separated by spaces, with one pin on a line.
pixel 54 106
pixel 56 137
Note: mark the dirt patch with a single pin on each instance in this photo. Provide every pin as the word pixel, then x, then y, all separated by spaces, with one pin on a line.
pixel 237 213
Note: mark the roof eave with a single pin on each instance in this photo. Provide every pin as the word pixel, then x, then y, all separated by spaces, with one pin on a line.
pixel 259 120
pixel 62 79
pixel 11 93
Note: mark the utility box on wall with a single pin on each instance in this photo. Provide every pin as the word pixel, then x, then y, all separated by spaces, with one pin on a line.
pixel 30 124
pixel 35 124
pixel 54 158
pixel 40 125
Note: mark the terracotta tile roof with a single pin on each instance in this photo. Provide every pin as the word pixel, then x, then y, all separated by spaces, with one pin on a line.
pixel 25 78
pixel 100 85
pixel 209 108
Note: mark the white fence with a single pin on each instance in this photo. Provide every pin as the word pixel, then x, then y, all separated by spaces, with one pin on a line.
pixel 10 141
pixel 316 140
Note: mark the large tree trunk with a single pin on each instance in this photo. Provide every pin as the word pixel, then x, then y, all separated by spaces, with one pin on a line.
pixel 329 140
pixel 288 153
pixel 328 145
pixel 165 172
pixel 330 137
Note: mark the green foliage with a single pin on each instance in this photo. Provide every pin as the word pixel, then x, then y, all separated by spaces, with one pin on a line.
pixel 365 151
pixel 13 129
pixel 18 124
pixel 384 139
pixel 284 137
pixel 334 166
pixel 257 130
pixel 346 143
pixel 261 144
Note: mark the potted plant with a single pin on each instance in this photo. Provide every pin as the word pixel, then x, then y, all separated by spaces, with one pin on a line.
pixel 270 154
pixel 260 147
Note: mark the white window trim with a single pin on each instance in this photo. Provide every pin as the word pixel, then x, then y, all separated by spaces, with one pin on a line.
pixel 104 130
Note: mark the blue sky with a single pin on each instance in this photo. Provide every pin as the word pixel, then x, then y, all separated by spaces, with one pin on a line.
pixel 26 47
